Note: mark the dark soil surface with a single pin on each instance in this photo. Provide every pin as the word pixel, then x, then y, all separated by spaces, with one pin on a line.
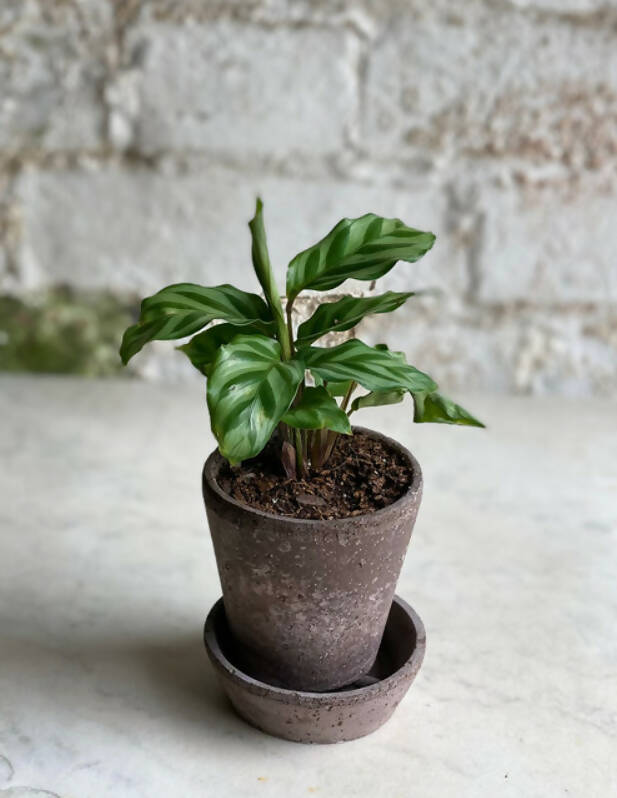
pixel 361 476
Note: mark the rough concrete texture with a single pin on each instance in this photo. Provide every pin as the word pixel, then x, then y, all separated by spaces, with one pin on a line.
pixel 134 137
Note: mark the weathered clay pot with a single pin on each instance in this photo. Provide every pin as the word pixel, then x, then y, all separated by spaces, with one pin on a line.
pixel 323 717
pixel 307 600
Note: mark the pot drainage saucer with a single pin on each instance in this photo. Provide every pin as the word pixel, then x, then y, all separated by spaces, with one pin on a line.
pixel 330 717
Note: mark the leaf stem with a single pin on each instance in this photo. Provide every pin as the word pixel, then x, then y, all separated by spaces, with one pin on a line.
pixel 331 439
pixel 299 440
pixel 290 334
pixel 299 453
pixel 352 387
pixel 284 340
pixel 332 436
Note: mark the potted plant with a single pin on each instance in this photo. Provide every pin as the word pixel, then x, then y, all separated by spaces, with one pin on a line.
pixel 310 518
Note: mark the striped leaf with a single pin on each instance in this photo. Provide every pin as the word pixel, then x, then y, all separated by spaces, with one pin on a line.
pixel 378 399
pixel 434 407
pixel 203 348
pixel 317 410
pixel 249 390
pixel 341 388
pixel 185 308
pixel 346 313
pixel 374 369
pixel 365 249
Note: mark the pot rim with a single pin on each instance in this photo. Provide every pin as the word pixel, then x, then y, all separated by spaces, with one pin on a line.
pixel 283 694
pixel 215 460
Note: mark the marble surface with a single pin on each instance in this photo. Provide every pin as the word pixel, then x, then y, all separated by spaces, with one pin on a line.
pixel 107 572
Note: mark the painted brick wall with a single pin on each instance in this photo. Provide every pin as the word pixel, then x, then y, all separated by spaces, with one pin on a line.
pixel 135 135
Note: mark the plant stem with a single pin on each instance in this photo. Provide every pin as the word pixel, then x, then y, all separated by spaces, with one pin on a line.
pixel 352 387
pixel 274 300
pixel 332 436
pixel 331 439
pixel 299 453
pixel 318 447
pixel 290 333
pixel 299 442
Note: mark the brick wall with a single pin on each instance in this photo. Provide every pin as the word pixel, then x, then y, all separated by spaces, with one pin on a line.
pixel 135 135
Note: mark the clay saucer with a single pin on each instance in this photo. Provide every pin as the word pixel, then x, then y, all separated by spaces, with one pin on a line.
pixel 331 717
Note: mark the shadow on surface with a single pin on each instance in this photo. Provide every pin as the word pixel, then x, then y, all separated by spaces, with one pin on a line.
pixel 165 676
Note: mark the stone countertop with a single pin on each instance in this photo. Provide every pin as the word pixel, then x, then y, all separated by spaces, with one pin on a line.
pixel 107 573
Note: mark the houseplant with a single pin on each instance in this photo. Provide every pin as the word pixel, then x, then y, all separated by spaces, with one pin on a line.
pixel 307 585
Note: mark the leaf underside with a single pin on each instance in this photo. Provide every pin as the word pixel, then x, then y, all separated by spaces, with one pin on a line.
pixel 438 409
pixel 334 388
pixel 378 399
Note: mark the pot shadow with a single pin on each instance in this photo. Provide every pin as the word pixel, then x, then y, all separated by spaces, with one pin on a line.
pixel 171 676
pixel 175 673
pixel 162 674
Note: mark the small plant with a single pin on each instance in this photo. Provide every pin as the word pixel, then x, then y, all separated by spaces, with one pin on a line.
pixel 256 369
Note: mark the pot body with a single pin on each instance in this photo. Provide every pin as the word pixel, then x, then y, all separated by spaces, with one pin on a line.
pixel 307 600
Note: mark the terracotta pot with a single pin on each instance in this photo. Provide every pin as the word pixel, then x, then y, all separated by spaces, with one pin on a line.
pixel 307 600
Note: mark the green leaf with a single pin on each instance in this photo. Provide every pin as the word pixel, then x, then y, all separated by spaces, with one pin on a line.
pixel 365 249
pixel 263 270
pixel 338 388
pixel 378 398
pixel 441 410
pixel 333 388
pixel 374 369
pixel 185 308
pixel 346 313
pixel 428 406
pixel 341 388
pixel 398 355
pixel 259 252
pixel 249 390
pixel 317 410
pixel 219 302
pixel 203 348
